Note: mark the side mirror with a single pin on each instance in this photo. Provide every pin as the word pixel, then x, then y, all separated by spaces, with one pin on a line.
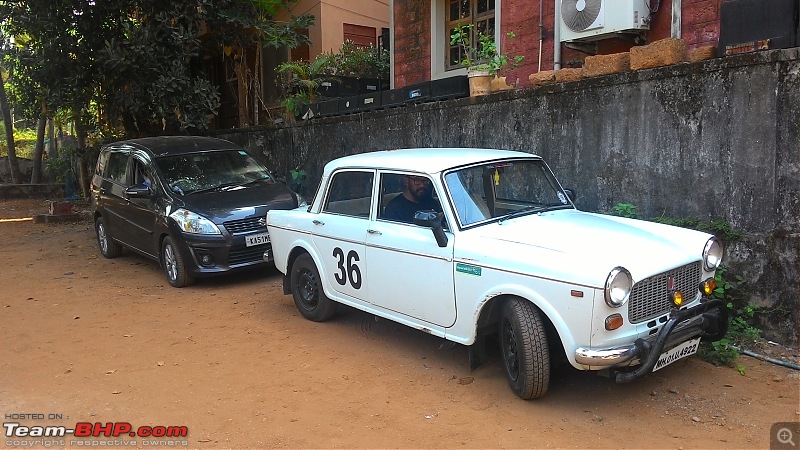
pixel 571 194
pixel 433 220
pixel 139 191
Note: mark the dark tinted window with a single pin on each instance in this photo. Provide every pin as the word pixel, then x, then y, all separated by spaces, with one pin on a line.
pixel 115 169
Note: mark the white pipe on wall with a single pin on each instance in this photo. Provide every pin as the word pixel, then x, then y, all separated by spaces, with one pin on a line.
pixel 557 36
pixel 675 30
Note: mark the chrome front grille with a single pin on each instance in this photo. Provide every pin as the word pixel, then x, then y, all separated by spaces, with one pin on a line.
pixel 650 297
pixel 248 225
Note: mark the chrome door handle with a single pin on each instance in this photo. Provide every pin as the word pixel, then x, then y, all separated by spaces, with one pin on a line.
pixel 317 222
pixel 370 231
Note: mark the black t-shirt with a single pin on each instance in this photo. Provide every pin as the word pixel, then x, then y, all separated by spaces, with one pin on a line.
pixel 401 209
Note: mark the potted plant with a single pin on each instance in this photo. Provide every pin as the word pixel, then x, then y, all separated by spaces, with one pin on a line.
pixel 482 59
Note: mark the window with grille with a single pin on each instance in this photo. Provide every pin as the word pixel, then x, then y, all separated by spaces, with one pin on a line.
pixel 480 13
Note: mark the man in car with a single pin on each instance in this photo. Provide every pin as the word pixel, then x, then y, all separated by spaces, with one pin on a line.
pixel 416 196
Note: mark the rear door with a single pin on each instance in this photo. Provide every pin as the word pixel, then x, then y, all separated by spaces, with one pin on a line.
pixel 112 193
pixel 340 230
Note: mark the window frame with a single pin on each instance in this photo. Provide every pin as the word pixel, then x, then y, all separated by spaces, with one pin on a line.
pixel 440 39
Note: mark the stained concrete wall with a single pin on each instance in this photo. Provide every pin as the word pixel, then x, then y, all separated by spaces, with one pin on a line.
pixel 711 140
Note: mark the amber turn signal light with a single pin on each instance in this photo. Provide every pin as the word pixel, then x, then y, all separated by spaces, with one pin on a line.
pixel 708 286
pixel 613 322
pixel 677 298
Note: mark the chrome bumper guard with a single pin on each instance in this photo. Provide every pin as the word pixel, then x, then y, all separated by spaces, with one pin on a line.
pixel 708 319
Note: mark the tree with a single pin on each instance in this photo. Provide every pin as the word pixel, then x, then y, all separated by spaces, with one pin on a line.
pixel 16 174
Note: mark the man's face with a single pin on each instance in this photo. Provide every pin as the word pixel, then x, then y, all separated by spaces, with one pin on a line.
pixel 418 187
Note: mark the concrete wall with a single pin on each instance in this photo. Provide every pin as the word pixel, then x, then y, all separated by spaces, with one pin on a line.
pixel 711 140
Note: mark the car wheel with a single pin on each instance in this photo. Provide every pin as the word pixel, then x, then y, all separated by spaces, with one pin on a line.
pixel 173 264
pixel 526 357
pixel 307 290
pixel 108 246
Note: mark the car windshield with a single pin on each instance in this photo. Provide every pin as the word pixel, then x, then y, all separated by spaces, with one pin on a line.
pixel 502 190
pixel 208 171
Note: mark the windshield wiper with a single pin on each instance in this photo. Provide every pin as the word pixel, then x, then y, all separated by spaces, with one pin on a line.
pixel 532 209
pixel 221 187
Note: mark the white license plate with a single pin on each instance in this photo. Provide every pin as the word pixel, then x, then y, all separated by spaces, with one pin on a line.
pixel 256 239
pixel 688 348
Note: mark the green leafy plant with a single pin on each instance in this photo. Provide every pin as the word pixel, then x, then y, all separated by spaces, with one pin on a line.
pixel 479 50
pixel 625 210
pixel 298 180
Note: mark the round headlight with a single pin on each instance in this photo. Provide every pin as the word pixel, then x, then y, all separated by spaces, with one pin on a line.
pixel 712 254
pixel 618 287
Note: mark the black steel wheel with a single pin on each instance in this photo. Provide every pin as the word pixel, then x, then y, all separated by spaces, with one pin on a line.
pixel 173 264
pixel 108 246
pixel 523 343
pixel 306 287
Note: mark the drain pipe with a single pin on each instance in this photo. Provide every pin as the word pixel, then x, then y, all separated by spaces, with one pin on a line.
pixel 541 32
pixel 557 36
pixel 779 362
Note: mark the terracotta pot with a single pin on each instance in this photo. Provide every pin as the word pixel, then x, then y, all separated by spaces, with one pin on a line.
pixel 480 82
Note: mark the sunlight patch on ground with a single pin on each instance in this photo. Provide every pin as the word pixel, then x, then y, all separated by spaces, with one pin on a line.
pixel 21 219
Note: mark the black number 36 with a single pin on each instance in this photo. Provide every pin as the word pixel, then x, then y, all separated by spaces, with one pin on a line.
pixel 351 272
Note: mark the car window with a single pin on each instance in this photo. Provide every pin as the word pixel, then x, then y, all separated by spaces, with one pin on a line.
pixel 350 193
pixel 141 173
pixel 393 208
pixel 102 162
pixel 116 167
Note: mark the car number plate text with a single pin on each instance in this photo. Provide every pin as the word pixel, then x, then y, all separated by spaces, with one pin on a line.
pixel 688 348
pixel 256 239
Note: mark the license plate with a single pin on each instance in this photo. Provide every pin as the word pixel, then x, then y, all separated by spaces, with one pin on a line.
pixel 688 348
pixel 256 239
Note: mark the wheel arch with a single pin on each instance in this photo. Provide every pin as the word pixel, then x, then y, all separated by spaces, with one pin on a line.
pixel 558 334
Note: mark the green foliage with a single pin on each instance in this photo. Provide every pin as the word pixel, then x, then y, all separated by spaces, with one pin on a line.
pixel 719 228
pixel 300 80
pixel 359 62
pixel 625 210
pixel 479 50
pixel 298 180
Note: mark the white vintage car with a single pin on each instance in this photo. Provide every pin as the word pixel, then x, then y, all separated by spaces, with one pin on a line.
pixel 497 247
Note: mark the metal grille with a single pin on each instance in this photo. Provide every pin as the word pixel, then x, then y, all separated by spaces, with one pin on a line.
pixel 240 254
pixel 246 225
pixel 650 297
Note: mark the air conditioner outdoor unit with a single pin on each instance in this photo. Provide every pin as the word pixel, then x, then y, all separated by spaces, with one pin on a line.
pixel 593 20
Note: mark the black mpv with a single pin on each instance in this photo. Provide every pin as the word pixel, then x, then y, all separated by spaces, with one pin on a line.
pixel 197 205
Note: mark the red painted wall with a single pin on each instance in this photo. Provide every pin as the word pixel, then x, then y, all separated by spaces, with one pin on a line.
pixel 412 42
pixel 699 28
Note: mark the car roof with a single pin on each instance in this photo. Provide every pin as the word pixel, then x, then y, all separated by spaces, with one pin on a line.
pixel 176 145
pixel 425 160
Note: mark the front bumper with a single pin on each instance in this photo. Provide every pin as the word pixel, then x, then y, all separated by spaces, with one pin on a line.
pixel 708 319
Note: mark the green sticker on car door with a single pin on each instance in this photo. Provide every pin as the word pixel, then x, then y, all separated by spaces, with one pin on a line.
pixel 468 269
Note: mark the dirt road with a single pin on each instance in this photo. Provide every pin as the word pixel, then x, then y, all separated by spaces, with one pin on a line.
pixel 86 339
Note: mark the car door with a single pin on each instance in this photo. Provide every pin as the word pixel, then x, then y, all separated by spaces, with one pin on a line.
pixel 112 193
pixel 139 213
pixel 340 230
pixel 409 273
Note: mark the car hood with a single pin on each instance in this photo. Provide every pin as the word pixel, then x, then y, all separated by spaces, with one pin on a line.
pixel 582 247
pixel 239 203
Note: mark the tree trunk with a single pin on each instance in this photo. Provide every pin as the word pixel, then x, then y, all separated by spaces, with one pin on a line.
pixel 38 151
pixel 240 66
pixel 16 175
pixel 83 162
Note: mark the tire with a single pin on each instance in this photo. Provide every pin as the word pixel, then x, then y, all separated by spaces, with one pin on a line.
pixel 108 246
pixel 174 267
pixel 306 287
pixel 523 346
